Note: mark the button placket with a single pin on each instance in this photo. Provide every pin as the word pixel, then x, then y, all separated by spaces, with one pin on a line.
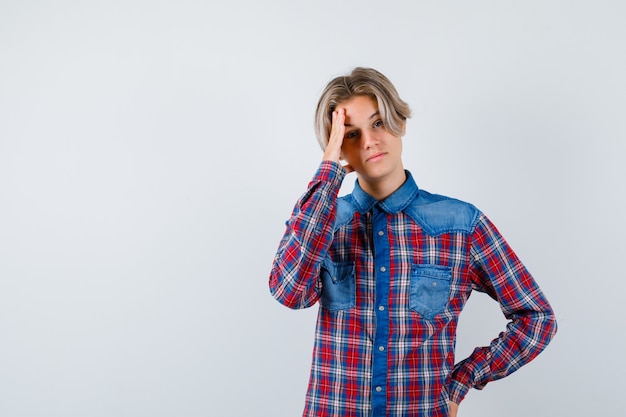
pixel 381 337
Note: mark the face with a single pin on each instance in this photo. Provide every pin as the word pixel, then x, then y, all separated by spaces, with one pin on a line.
pixel 373 152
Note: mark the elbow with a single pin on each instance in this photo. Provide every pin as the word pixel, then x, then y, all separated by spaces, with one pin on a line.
pixel 284 299
pixel 289 297
pixel 546 329
pixel 551 326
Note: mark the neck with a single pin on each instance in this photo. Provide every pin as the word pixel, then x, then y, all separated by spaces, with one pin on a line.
pixel 383 187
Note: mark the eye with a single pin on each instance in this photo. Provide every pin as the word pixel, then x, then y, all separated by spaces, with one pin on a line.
pixel 351 134
pixel 378 123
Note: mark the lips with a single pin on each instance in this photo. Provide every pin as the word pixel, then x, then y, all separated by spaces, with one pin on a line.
pixel 376 157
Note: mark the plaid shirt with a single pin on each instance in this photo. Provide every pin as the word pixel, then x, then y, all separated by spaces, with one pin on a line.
pixel 392 278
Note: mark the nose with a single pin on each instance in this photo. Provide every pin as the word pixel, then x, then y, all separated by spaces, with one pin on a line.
pixel 368 139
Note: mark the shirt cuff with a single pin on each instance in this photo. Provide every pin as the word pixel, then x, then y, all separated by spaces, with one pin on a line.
pixel 331 172
pixel 457 392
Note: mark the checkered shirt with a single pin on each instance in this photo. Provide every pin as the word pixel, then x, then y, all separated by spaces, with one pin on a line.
pixel 391 279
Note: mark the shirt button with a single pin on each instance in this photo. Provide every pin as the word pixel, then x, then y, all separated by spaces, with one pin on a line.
pixel 379 389
pixel 381 308
pixel 434 284
pixel 381 233
pixel 383 269
pixel 381 348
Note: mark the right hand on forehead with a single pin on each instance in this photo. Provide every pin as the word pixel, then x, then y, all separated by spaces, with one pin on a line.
pixel 337 132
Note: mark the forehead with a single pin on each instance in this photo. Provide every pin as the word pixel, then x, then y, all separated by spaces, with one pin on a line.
pixel 359 109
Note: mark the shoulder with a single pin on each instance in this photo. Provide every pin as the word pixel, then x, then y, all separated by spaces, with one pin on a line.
pixel 438 214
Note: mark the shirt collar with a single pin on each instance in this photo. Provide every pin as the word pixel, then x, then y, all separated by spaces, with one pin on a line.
pixel 395 203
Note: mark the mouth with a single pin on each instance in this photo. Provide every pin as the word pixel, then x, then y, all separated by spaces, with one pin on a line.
pixel 376 157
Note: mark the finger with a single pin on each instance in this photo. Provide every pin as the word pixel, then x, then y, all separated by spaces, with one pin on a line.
pixel 338 126
pixel 337 131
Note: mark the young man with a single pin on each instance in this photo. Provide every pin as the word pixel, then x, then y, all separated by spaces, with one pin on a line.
pixel 392 267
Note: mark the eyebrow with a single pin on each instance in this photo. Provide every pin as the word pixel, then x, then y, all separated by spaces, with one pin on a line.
pixel 371 117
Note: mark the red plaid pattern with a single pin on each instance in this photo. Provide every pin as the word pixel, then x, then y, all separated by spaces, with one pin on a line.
pixel 392 278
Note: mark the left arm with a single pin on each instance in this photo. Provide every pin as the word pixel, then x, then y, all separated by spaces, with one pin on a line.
pixel 497 271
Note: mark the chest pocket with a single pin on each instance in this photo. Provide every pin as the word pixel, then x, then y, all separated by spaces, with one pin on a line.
pixel 338 286
pixel 430 289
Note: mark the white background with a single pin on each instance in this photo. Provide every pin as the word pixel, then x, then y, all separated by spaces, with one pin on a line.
pixel 150 152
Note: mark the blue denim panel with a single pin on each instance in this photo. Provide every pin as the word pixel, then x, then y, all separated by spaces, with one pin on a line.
pixel 438 215
pixel 430 289
pixel 338 286
pixel 345 212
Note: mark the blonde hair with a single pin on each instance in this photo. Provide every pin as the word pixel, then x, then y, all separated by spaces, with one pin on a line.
pixel 361 82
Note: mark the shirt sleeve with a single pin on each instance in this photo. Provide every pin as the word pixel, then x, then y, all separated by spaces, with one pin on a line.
pixel 294 279
pixel 497 271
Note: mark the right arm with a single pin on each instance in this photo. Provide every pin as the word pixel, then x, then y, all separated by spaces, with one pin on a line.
pixel 294 280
